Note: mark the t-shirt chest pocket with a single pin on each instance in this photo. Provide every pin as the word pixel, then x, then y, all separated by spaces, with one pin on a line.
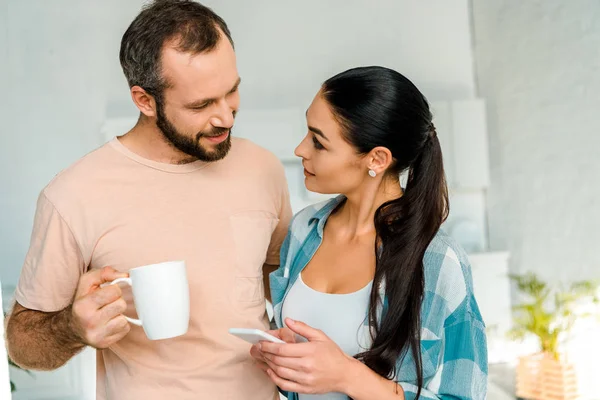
pixel 251 231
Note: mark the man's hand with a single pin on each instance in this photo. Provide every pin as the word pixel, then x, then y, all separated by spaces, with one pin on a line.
pixel 47 340
pixel 97 312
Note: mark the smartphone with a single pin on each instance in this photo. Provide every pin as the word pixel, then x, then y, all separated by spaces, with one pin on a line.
pixel 253 336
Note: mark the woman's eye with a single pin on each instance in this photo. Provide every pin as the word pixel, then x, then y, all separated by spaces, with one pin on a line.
pixel 317 144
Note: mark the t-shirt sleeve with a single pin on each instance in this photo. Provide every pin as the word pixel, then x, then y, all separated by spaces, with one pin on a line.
pixel 53 264
pixel 285 215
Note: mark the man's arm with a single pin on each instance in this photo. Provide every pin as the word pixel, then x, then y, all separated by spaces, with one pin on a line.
pixel 279 234
pixel 267 269
pixel 40 340
pixel 47 340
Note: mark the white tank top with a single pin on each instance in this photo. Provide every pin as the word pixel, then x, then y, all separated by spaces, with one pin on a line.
pixel 339 316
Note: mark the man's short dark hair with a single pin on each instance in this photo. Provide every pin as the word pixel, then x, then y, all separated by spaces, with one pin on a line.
pixel 192 27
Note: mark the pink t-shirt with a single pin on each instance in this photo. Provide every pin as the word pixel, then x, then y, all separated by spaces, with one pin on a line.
pixel 225 219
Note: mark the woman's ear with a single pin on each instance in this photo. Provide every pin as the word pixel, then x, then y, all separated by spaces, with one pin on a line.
pixel 379 160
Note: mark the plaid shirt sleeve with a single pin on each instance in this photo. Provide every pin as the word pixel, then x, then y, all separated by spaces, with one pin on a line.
pixel 462 371
pixel 453 340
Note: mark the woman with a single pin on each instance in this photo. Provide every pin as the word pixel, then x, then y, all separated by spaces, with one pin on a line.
pixel 385 297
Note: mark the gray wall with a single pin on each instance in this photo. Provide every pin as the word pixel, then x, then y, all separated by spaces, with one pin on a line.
pixel 538 66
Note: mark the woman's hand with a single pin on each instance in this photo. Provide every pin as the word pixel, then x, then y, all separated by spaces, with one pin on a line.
pixel 284 334
pixel 315 367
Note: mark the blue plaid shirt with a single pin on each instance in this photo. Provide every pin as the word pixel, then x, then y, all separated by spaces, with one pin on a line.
pixel 453 342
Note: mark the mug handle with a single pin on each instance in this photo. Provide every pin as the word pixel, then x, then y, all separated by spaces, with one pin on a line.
pixel 127 281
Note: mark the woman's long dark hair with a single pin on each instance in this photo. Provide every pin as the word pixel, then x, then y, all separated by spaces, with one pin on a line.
pixel 377 106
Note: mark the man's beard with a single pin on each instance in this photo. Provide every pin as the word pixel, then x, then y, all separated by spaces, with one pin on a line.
pixel 192 146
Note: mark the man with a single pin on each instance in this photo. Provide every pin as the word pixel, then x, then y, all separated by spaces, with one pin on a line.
pixel 176 186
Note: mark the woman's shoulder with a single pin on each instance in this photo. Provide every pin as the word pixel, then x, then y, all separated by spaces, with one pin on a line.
pixel 448 274
pixel 444 247
pixel 315 212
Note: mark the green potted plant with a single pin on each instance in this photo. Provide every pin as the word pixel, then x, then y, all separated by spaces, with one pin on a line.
pixel 548 314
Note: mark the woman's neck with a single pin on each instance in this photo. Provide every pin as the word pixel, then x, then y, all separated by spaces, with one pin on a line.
pixel 356 216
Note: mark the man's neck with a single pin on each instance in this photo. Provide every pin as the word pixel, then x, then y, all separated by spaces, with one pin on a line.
pixel 146 140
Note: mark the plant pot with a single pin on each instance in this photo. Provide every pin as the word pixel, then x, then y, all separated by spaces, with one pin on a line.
pixel 542 377
pixel 528 376
pixel 558 380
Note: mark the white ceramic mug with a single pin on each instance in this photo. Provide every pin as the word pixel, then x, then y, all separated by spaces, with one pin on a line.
pixel 161 297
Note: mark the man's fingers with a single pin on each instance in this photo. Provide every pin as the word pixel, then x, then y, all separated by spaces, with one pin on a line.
pixel 98 310
pixel 86 310
pixel 110 340
pixel 117 327
pixel 105 295
pixel 94 278
pixel 113 309
pixel 109 274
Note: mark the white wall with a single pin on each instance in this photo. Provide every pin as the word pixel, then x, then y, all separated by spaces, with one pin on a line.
pixel 64 77
pixel 538 66
pixel 59 55
pixel 287 48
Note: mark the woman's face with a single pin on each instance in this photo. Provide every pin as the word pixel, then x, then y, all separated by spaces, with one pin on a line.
pixel 331 165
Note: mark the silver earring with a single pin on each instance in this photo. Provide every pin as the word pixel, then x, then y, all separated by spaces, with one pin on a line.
pixel 372 173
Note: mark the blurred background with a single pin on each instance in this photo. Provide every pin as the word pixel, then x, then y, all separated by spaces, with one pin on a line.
pixel 513 86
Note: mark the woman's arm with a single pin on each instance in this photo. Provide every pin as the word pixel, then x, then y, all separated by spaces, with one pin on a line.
pixel 462 370
pixel 362 383
pixel 462 375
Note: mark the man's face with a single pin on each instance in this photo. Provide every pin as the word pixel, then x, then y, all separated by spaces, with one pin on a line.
pixel 198 108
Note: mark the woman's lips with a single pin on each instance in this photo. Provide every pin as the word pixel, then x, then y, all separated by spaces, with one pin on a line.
pixel 306 173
